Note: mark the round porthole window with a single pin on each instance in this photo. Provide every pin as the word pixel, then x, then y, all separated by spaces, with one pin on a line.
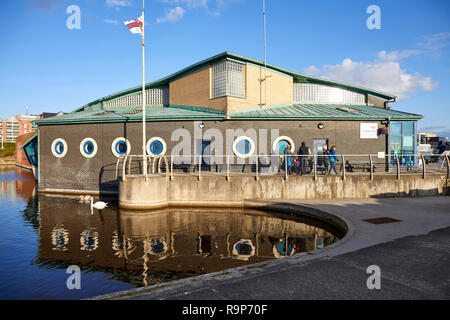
pixel 120 147
pixel 244 249
pixel 280 144
pixel 243 147
pixel 156 146
pixel 88 148
pixel 59 148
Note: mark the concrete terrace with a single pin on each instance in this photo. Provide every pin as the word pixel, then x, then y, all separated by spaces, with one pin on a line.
pixel 413 255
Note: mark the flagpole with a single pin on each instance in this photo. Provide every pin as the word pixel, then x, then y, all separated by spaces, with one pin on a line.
pixel 144 154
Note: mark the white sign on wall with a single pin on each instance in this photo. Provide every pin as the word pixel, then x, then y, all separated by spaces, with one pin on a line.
pixel 368 130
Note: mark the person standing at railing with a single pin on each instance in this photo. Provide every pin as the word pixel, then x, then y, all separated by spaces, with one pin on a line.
pixel 333 159
pixel 303 151
pixel 288 159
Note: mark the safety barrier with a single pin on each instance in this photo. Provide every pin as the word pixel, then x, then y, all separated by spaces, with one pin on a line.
pixel 284 165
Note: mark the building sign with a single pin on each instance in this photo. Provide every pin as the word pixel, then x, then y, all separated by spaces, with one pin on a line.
pixel 368 131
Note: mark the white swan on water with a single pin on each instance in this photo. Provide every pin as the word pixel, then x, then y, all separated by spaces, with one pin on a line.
pixel 98 204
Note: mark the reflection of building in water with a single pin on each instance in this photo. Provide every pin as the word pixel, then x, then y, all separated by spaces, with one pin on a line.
pixel 157 246
pixel 17 183
pixel 60 238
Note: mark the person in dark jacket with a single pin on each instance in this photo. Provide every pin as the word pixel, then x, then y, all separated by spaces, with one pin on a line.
pixel 303 151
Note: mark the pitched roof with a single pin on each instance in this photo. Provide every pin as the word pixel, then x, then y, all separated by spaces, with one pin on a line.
pixel 298 77
pixel 285 112
pixel 324 112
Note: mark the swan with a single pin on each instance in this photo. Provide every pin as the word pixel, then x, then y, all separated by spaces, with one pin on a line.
pixel 98 204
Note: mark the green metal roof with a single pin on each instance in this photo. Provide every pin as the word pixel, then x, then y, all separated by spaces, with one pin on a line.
pixel 298 77
pixel 153 113
pixel 285 112
pixel 324 112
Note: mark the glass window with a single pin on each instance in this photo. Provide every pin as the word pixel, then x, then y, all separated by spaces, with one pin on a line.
pixel 228 79
pixel 156 146
pixel 407 128
pixel 403 142
pixel 317 93
pixel 396 128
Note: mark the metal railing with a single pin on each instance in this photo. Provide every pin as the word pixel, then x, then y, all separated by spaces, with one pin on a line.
pixel 284 165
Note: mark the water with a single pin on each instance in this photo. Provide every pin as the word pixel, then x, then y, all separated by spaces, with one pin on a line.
pixel 41 235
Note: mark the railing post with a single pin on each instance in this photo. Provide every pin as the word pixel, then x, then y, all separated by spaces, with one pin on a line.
pixel 398 167
pixel 228 168
pixel 423 167
pixel 167 167
pixel 124 174
pixel 343 167
pixel 315 166
pixel 117 166
pixel 129 164
pixel 448 166
pixel 285 168
pixel 171 167
pixel 371 167
pixel 199 168
pixel 257 168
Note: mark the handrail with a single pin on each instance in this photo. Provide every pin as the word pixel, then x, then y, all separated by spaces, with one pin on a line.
pixel 275 161
pixel 117 165
pixel 123 168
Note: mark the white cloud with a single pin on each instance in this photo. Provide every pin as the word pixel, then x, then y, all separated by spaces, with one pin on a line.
pixel 397 55
pixel 188 3
pixel 384 74
pixel 116 4
pixel 172 15
pixel 435 43
pixel 311 70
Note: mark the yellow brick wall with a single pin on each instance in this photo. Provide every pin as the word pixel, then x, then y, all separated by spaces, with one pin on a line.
pixel 194 89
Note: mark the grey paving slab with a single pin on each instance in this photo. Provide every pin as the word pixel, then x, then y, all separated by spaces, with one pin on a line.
pixel 414 257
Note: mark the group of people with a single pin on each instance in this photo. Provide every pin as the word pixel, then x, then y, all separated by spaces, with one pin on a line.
pixel 297 164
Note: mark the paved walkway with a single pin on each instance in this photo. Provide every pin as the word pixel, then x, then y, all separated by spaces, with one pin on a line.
pixel 413 255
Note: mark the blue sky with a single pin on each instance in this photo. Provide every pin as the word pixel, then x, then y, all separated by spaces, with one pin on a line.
pixel 51 68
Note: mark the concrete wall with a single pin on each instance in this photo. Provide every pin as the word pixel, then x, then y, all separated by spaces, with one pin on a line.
pixel 136 193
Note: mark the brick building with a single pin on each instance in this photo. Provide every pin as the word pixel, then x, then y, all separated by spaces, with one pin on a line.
pixel 79 150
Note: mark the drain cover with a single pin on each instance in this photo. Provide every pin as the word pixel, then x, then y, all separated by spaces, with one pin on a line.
pixel 381 220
